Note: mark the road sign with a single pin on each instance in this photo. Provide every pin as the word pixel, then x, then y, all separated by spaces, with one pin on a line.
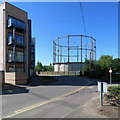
pixel 99 86
pixel 105 87
pixel 110 71
pixel 102 87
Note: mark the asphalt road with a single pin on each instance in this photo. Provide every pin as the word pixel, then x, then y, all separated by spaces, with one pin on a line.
pixel 58 100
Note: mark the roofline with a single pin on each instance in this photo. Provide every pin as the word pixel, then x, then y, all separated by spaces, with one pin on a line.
pixel 13 6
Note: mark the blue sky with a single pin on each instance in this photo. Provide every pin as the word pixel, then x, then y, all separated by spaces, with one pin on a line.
pixel 51 20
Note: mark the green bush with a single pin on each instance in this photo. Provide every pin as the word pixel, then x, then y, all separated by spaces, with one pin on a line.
pixel 113 96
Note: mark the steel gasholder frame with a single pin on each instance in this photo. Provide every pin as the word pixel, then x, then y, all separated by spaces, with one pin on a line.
pixel 89 51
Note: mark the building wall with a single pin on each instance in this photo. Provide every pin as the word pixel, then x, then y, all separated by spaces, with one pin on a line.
pixel 12 77
pixel 1 37
pixel 61 67
pixel 68 67
pixel 29 46
pixel 33 53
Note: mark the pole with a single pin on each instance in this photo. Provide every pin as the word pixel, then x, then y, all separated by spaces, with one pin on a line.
pixel 110 77
pixel 101 97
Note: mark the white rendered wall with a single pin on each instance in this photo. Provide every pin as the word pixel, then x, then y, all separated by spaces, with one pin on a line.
pixel 68 67
pixel 2 44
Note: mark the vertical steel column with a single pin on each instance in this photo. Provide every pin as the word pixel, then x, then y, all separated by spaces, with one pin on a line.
pixel 60 53
pixel 64 66
pixel 95 50
pixel 77 54
pixel 53 52
pixel 81 48
pixel 90 62
pixel 95 56
pixel 68 48
pixel 58 49
pixel 86 52
pixel 14 48
pixel 91 48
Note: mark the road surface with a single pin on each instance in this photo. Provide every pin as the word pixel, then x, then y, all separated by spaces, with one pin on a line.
pixel 63 99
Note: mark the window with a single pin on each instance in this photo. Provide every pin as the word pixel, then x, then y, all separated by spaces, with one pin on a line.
pixel 32 49
pixel 19 56
pixel 10 56
pixel 19 23
pixel 11 21
pixel 10 37
pixel 23 25
pixel 10 69
pixel 32 57
pixel 19 69
pixel 20 40
pixel 15 22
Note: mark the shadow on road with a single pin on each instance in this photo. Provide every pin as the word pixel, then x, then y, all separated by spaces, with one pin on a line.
pixel 49 81
pixel 61 81
pixel 13 89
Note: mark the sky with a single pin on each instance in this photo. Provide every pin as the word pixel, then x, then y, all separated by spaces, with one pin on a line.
pixel 55 19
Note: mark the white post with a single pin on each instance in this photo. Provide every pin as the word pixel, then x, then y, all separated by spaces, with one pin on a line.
pixel 101 97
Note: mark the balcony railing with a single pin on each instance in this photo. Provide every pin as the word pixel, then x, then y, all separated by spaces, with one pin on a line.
pixel 19 40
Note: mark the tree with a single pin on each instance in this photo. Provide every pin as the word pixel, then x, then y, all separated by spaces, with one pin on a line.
pixel 38 68
pixel 105 63
pixel 50 67
pixel 116 65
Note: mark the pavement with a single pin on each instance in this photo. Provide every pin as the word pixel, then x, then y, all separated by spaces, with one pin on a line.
pixel 63 99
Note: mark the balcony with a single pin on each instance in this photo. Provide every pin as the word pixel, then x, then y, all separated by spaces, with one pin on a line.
pixel 19 25
pixel 19 40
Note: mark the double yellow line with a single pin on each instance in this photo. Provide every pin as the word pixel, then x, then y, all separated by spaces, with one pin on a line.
pixel 42 103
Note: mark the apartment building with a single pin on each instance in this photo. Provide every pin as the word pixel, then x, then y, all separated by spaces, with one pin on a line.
pixel 14 39
pixel 32 55
pixel 31 49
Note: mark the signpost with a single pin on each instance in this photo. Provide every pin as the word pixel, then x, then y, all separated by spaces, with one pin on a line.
pixel 110 71
pixel 102 87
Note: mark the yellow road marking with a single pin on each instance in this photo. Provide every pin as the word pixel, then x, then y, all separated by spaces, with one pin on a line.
pixel 42 103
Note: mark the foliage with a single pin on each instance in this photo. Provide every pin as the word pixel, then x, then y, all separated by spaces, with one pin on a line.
pixel 105 62
pixel 116 65
pixel 100 68
pixel 40 68
pixel 113 96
